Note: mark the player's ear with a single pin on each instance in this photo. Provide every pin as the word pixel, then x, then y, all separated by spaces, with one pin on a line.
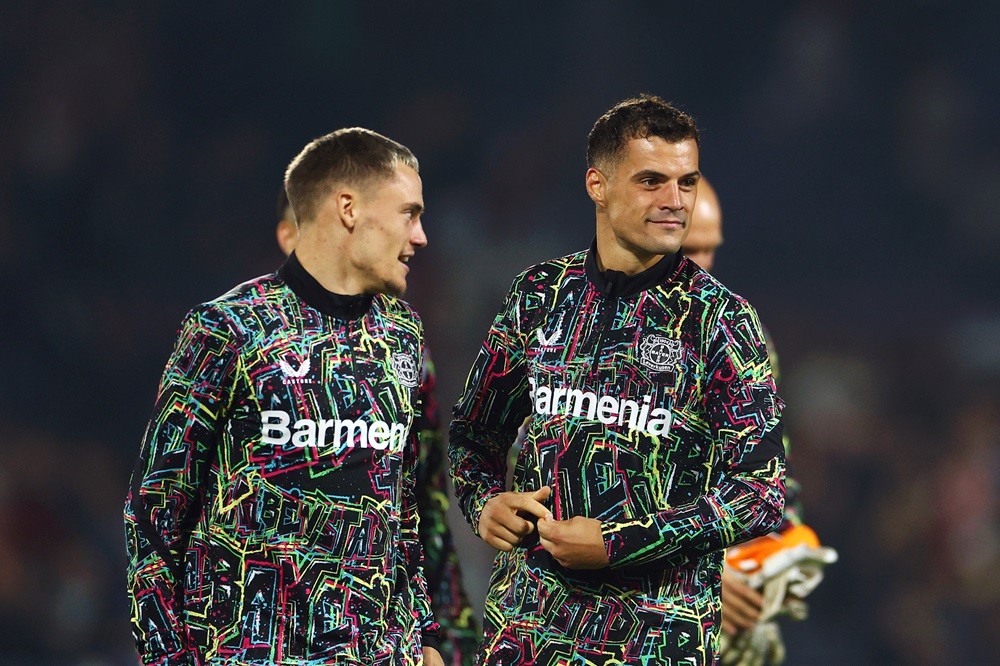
pixel 345 202
pixel 287 234
pixel 596 185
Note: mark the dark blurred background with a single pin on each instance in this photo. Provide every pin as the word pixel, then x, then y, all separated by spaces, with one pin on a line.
pixel 854 146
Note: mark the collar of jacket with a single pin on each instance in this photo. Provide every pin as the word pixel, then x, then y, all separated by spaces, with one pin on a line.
pixel 306 287
pixel 617 284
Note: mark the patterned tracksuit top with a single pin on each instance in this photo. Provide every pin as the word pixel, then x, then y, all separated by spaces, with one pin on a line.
pixel 651 407
pixel 271 517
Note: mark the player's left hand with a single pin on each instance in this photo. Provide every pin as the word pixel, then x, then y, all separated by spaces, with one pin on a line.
pixel 577 543
pixel 432 657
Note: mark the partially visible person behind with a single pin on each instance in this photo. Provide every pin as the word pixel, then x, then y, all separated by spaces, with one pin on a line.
pixel 743 604
pixel 271 517
pixel 653 439
pixel 449 601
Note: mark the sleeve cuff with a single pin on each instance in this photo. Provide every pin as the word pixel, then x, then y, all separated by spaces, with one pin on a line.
pixel 432 637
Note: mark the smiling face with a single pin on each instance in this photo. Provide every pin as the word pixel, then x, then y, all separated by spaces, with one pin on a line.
pixel 387 233
pixel 644 202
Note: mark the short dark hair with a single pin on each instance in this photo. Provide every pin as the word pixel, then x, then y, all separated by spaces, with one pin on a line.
pixel 352 156
pixel 637 117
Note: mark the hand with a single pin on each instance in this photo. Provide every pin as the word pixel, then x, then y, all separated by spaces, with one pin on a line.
pixel 577 543
pixel 760 646
pixel 432 657
pixel 503 523
pixel 741 603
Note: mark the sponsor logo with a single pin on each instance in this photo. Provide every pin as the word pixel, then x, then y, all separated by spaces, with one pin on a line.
pixel 660 353
pixel 609 410
pixel 277 428
pixel 292 375
pixel 405 367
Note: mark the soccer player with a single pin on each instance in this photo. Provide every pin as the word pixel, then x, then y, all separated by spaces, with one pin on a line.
pixel 653 438
pixel 271 517
pixel 459 635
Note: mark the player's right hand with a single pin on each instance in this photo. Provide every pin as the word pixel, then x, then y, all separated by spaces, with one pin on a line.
pixel 506 518
pixel 741 603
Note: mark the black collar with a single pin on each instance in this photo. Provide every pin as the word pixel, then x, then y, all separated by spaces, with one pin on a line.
pixel 615 283
pixel 315 295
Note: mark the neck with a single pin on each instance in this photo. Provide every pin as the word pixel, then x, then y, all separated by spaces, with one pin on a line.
pixel 326 261
pixel 612 256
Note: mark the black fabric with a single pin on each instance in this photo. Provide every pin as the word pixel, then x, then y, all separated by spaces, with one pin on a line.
pixel 312 292
pixel 617 284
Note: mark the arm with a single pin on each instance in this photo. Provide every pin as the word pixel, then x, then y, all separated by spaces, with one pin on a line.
pixel 168 485
pixel 741 604
pixel 793 502
pixel 743 415
pixel 489 413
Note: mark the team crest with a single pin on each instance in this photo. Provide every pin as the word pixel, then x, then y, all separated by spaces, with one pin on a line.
pixel 660 353
pixel 405 367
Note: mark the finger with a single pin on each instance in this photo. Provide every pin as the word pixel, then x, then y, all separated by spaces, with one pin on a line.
pixel 736 614
pixel 498 542
pixel 738 592
pixel 501 510
pixel 513 522
pixel 750 598
pixel 742 621
pixel 504 533
pixel 531 506
pixel 550 548
pixel 541 494
pixel 547 527
pixel 740 615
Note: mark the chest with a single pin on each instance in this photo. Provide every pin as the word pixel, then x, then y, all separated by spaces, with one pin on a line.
pixel 631 355
pixel 323 388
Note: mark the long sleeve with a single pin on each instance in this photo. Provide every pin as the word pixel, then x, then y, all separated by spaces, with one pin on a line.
pixel 742 412
pixel 489 413
pixel 793 499
pixel 167 491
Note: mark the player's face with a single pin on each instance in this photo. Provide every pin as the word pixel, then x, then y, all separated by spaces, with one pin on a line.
pixel 389 231
pixel 645 202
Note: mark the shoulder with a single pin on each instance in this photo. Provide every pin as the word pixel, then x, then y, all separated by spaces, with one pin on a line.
pixel 233 310
pixel 706 288
pixel 250 293
pixel 544 275
pixel 729 323
pixel 400 313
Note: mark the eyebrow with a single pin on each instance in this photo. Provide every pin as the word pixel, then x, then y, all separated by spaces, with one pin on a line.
pixel 415 208
pixel 651 173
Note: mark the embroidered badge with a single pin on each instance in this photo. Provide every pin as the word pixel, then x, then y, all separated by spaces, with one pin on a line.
pixel 660 353
pixel 405 367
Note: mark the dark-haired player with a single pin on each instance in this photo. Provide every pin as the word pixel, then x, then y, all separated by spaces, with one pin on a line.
pixel 653 438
